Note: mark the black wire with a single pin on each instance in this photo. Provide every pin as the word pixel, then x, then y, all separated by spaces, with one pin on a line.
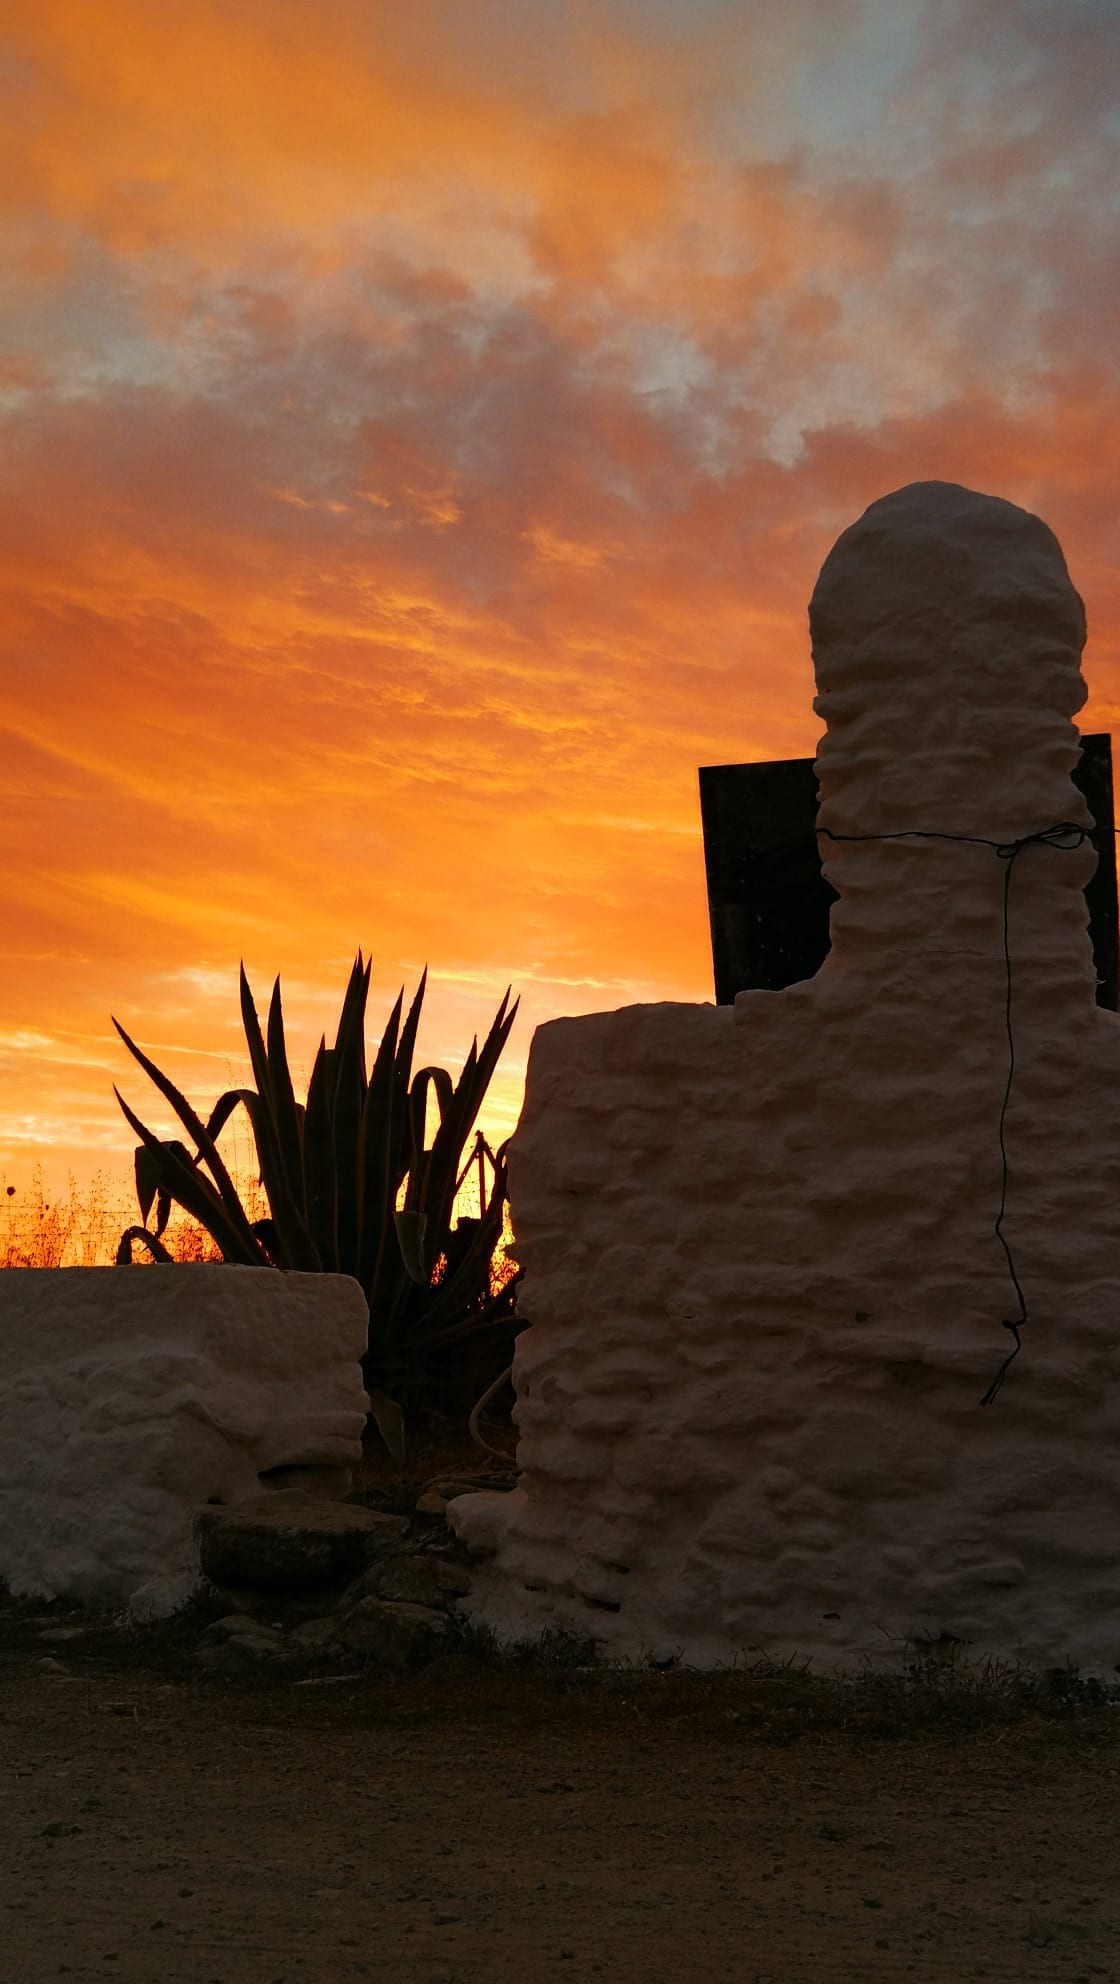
pixel 1065 837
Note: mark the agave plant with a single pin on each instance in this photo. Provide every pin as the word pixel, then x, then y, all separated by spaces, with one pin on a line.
pixel 352 1184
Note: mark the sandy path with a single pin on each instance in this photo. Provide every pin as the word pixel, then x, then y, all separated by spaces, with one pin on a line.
pixel 178 1830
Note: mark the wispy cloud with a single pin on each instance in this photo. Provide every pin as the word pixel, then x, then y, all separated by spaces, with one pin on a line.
pixel 421 431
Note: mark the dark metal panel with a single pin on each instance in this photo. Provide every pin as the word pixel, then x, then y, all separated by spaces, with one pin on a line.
pixel 769 903
pixel 767 899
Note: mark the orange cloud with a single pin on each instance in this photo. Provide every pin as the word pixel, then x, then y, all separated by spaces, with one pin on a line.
pixel 420 441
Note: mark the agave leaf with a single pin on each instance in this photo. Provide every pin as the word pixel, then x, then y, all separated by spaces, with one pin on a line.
pixel 439 1083
pixel 350 1037
pixel 483 1063
pixel 412 1228
pixel 148 1175
pixel 400 1139
pixel 207 1148
pixel 269 1165
pixel 409 1030
pixel 163 1211
pixel 265 1231
pixel 404 1306
pixel 466 1285
pixel 292 1244
pixel 286 1112
pixel 143 1238
pixel 181 1178
pixel 319 1160
pixel 389 1420
pixel 496 1314
pixel 478 1070
pixel 390 1290
pixel 349 1100
pixel 257 1057
pixel 222 1111
pixel 280 1181
pixel 377 1198
pixel 188 1187
pixel 458 1118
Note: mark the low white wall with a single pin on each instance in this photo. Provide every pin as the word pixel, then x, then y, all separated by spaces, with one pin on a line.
pixel 128 1396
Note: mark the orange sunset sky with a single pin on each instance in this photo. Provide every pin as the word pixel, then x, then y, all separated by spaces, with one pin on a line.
pixel 422 427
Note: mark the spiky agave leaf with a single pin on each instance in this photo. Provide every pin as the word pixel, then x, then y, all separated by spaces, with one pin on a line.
pixel 458 1115
pixel 290 1243
pixel 376 1200
pixel 273 1114
pixel 406 1309
pixel 401 1136
pixel 184 1182
pixel 412 1230
pixel 319 1167
pixel 384 1277
pixel 148 1175
pixel 208 1152
pixel 142 1237
pixel 285 1108
pixel 348 1104
pixel 437 1083
pixel 465 1289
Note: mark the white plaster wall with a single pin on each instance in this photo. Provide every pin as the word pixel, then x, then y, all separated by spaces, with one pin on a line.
pixel 128 1396
pixel 764 1290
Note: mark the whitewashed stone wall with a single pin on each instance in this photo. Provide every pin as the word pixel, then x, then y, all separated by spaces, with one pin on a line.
pixel 764 1287
pixel 128 1396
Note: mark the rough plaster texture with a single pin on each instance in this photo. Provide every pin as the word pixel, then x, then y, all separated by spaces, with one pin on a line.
pixel 128 1396
pixel 764 1288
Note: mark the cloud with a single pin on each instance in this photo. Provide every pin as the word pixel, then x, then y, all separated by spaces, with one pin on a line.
pixel 419 444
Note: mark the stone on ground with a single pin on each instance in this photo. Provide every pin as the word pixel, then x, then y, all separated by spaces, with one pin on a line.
pixel 285 1541
pixel 392 1635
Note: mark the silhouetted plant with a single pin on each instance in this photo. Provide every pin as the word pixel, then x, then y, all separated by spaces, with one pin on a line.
pixel 352 1185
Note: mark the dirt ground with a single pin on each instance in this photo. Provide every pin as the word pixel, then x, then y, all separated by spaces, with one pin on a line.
pixel 520 1822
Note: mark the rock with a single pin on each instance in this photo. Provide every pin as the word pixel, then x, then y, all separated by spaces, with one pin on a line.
pixel 161 1597
pixel 313 1634
pixel 129 1396
pixel 437 1494
pixel 269 1646
pixel 328 1484
pixel 61 1633
pixel 390 1530
pixel 284 1540
pixel 243 1651
pixel 455 1579
pixel 239 1623
pixel 410 1580
pixel 393 1635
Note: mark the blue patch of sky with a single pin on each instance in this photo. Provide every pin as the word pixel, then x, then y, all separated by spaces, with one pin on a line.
pixel 83 326
pixel 840 92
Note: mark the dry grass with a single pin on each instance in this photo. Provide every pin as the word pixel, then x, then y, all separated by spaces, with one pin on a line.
pixel 81 1230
